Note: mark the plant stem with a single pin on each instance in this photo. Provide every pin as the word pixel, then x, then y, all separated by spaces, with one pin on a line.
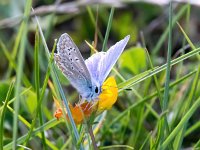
pixel 92 137
pixel 108 29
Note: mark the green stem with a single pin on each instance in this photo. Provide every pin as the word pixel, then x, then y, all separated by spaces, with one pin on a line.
pixel 181 124
pixel 37 84
pixel 92 137
pixel 2 114
pixel 20 71
pixel 108 29
pixel 164 104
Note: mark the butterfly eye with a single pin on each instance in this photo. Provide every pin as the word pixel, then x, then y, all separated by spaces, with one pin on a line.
pixel 96 90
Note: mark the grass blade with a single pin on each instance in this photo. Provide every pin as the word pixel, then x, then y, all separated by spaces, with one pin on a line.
pixel 122 114
pixel 36 132
pixel 181 123
pixel 164 35
pixel 59 87
pixel 19 71
pixel 147 74
pixel 108 29
pixel 164 105
pixel 37 84
pixel 13 64
pixel 41 96
pixel 189 103
pixel 188 40
pixel 3 112
pixel 92 18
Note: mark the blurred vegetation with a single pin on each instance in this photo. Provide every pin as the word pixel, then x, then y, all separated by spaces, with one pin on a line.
pixel 135 120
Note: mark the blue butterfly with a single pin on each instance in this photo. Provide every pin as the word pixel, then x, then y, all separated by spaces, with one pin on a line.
pixel 86 76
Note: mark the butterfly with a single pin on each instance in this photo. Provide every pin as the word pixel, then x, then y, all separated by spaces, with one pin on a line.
pixel 86 76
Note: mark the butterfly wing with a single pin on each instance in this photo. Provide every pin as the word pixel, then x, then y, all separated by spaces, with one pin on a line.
pixel 92 64
pixel 100 64
pixel 71 63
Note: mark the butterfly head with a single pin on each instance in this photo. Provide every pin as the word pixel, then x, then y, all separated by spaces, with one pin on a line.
pixel 96 91
pixel 93 93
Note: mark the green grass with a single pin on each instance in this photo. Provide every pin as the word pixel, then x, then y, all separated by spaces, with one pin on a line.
pixel 157 108
pixel 62 95
pixel 19 71
pixel 4 108
pixel 108 29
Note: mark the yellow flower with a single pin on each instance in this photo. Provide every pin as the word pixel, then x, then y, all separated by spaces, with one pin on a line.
pixel 83 111
pixel 109 94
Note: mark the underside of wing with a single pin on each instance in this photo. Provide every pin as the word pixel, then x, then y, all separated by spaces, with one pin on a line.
pixel 71 63
pixel 100 64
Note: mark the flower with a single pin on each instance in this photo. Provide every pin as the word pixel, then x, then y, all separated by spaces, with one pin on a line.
pixel 108 96
pixel 84 110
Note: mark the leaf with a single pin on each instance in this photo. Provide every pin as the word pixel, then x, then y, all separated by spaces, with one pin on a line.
pixel 30 101
pixel 133 59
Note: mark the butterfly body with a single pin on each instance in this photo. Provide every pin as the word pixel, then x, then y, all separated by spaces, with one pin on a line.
pixel 86 76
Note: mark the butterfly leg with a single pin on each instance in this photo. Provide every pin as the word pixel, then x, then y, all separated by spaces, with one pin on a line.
pixel 94 102
pixel 86 107
pixel 81 100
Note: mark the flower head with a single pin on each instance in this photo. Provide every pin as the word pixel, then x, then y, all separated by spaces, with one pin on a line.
pixel 108 96
pixel 84 110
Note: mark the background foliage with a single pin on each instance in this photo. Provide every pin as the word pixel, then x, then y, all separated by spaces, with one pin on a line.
pixel 137 120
